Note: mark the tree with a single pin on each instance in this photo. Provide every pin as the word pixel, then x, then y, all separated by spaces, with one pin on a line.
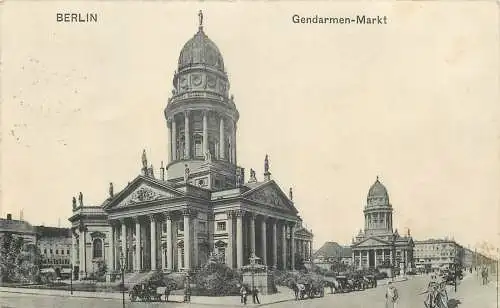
pixel 11 257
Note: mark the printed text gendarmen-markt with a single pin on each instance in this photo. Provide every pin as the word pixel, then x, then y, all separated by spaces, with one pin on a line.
pixel 356 19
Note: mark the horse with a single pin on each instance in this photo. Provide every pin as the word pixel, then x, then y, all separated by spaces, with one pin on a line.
pixel 295 289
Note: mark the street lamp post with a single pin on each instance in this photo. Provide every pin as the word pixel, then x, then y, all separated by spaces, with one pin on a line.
pixel 71 279
pixel 122 267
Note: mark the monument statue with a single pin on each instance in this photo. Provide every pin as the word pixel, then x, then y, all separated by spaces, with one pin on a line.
pixel 186 173
pixel 80 198
pixel 208 156
pixel 290 193
pixel 266 164
pixel 200 16
pixel 144 160
pixel 253 178
pixel 238 177
pixel 111 190
pixel 74 203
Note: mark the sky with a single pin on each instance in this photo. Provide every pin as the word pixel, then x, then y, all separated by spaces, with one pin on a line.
pixel 414 102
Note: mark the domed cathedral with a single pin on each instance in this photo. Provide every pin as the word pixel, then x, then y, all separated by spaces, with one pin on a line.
pixel 378 245
pixel 199 205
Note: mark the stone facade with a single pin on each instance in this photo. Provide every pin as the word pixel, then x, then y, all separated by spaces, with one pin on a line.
pixel 434 254
pixel 378 245
pixel 200 203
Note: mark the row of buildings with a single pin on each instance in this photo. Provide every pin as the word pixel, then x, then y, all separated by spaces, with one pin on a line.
pixel 53 243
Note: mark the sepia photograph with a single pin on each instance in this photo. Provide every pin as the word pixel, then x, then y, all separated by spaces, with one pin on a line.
pixel 267 153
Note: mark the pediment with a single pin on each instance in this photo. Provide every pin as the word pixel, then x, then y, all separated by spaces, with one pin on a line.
pixel 270 194
pixel 142 190
pixel 372 241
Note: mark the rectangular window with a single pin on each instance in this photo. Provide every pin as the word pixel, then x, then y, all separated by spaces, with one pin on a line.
pixel 57 252
pixel 181 226
pixel 198 151
pixel 164 228
pixel 62 251
pixel 51 251
pixel 221 226
pixel 45 251
pixel 67 252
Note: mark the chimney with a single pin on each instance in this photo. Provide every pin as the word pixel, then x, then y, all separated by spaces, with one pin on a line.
pixel 9 216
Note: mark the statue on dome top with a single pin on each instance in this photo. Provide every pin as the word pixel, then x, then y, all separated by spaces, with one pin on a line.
pixel 80 198
pixel 200 17
pixel 74 203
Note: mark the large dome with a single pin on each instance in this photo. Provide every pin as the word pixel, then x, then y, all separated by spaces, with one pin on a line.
pixel 377 194
pixel 201 50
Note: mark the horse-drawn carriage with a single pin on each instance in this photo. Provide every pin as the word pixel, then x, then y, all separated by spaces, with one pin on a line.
pixel 309 287
pixel 370 281
pixel 148 292
pixel 343 284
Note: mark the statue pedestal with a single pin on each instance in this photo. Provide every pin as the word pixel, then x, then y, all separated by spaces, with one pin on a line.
pixel 264 281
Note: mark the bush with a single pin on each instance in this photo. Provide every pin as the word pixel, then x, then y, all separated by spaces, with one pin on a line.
pixel 216 279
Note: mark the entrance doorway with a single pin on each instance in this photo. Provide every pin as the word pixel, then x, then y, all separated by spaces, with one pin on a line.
pixel 371 254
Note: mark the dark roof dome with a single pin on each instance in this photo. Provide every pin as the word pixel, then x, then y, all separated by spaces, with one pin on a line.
pixel 201 50
pixel 377 194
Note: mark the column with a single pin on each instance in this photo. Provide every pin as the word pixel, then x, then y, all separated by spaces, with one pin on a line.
pixel 263 239
pixel 187 239
pixel 123 240
pixel 205 132
pixel 187 150
pixel 233 142
pixel 153 242
pixel 81 241
pixel 284 245
pixel 383 256
pixel 390 257
pixel 170 263
pixel 137 267
pixel 169 127
pixel 194 226
pixel 239 238
pixel 292 241
pixel 229 252
pixel 252 233
pixel 368 259
pixel 174 139
pixel 111 257
pixel 74 249
pixel 222 139
pixel 353 258
pixel 275 245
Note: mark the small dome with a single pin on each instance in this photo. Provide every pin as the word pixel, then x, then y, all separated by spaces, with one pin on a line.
pixel 377 195
pixel 201 50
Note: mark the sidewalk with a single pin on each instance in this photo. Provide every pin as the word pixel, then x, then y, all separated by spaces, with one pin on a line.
pixel 283 295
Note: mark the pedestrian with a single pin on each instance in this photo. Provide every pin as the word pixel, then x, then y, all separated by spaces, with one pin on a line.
pixel 255 295
pixel 391 296
pixel 243 294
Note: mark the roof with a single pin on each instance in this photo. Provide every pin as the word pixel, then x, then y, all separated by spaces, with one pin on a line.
pixel 201 50
pixel 44 231
pixel 329 249
pixel 346 252
pixel 18 226
pixel 377 195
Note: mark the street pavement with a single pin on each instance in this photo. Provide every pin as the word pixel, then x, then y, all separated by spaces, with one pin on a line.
pixel 470 294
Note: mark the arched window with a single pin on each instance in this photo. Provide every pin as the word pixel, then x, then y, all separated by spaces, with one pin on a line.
pixel 97 248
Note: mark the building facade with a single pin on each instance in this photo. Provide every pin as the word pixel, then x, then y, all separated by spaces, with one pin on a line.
pixel 434 254
pixel 378 245
pixel 55 249
pixel 199 204
pixel 18 228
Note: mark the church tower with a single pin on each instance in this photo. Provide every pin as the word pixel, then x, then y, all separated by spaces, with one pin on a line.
pixel 378 211
pixel 202 118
